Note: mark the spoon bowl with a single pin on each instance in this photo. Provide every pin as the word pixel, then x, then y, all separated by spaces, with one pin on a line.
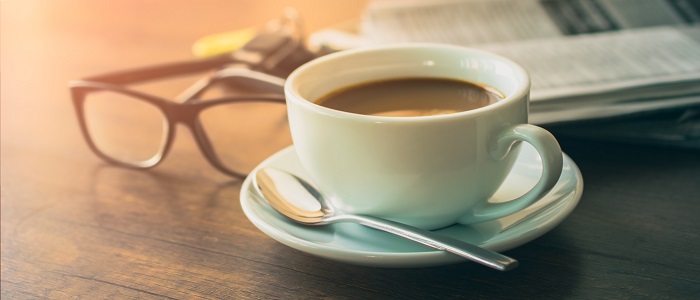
pixel 301 202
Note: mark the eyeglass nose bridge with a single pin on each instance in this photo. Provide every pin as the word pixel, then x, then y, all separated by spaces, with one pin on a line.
pixel 189 116
pixel 184 114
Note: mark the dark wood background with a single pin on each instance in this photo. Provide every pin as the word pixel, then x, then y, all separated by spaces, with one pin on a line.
pixel 74 227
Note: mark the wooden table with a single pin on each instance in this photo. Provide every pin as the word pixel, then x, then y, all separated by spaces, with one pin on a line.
pixel 75 227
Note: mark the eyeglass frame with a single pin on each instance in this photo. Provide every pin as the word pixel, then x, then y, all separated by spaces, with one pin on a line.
pixel 270 55
pixel 186 112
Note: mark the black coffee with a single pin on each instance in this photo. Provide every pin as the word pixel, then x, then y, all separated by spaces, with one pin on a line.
pixel 407 97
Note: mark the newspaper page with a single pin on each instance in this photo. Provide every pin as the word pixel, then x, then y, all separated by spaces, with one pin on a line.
pixel 582 55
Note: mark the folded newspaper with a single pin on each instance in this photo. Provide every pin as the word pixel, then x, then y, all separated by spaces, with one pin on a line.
pixel 588 59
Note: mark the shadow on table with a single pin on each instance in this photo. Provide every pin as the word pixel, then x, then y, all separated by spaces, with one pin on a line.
pixel 548 268
pixel 122 193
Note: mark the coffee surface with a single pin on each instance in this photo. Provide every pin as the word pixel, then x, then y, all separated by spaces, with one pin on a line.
pixel 406 97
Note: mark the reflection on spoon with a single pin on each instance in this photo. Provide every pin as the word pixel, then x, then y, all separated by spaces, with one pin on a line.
pixel 299 201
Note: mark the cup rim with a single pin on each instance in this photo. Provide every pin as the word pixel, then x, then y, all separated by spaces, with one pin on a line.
pixel 521 91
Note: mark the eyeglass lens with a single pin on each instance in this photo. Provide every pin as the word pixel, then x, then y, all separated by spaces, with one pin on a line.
pixel 125 128
pixel 245 133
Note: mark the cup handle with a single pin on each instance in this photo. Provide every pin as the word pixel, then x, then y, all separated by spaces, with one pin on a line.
pixel 552 162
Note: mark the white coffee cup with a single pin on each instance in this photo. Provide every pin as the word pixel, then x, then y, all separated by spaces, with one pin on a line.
pixel 426 171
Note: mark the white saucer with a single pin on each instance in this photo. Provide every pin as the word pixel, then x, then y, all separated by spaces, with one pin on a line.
pixel 356 244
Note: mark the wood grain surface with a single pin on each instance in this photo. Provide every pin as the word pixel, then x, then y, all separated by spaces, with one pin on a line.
pixel 74 227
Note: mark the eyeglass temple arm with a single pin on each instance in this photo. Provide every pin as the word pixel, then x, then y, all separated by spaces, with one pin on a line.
pixel 264 51
pixel 165 70
pixel 246 77
pixel 254 53
pixel 271 83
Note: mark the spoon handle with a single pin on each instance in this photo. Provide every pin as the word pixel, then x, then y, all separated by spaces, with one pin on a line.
pixel 472 252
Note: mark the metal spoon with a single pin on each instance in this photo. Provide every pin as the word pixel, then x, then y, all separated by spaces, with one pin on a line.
pixel 299 201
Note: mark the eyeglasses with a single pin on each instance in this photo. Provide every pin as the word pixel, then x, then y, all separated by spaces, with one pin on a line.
pixel 135 129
